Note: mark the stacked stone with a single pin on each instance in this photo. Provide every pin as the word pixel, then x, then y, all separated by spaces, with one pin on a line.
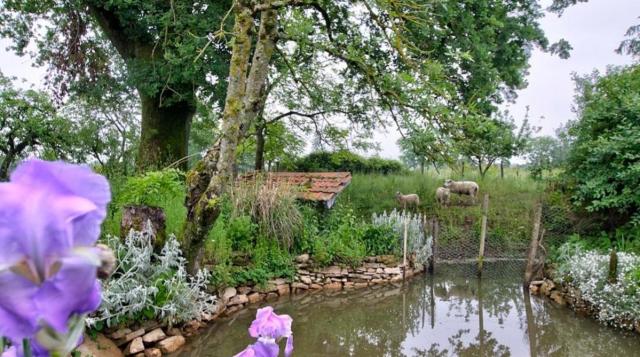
pixel 376 270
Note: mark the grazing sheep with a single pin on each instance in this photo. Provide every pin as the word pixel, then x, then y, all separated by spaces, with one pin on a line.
pixel 443 195
pixel 468 188
pixel 411 199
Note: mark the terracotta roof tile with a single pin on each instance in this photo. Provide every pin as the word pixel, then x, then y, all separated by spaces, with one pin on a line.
pixel 313 186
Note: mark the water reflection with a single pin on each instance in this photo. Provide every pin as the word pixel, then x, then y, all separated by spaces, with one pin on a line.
pixel 450 314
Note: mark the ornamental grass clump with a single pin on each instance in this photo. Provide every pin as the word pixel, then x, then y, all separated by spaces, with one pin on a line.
pixel 617 303
pixel 50 216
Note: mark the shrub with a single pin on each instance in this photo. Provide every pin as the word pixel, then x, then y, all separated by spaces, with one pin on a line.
pixel 618 303
pixel 380 239
pixel 344 160
pixel 152 189
pixel 151 286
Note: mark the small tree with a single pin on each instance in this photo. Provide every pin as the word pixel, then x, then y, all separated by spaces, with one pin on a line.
pixel 29 125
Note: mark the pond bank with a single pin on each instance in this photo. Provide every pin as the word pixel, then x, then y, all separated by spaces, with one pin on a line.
pixel 152 339
pixel 567 295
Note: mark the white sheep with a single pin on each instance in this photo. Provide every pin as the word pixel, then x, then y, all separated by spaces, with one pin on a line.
pixel 443 195
pixel 411 199
pixel 468 188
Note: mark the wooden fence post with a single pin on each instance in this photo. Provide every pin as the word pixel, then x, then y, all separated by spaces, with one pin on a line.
pixel 483 231
pixel 404 249
pixel 613 267
pixel 434 244
pixel 533 247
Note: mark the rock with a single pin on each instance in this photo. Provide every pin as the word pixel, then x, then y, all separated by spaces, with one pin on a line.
pixel 268 287
pixel 387 259
pixel 393 270
pixel 637 326
pixel 232 309
pixel 228 294
pixel 141 354
pixel 272 296
pixel 315 286
pixel 557 297
pixel 206 317
pixel 154 336
pixel 238 300
pixel 171 344
pixel 534 289
pixel 361 285
pixel 334 271
pixel 120 333
pixel 537 283
pixel 136 346
pixel 255 297
pixel 101 346
pixel 349 285
pixel 152 352
pixel 244 290
pixel 284 289
pixel 546 287
pixel 305 279
pixel 300 286
pixel 174 331
pixel 302 259
pixel 333 286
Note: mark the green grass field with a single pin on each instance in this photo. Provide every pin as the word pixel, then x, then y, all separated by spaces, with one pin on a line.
pixel 510 202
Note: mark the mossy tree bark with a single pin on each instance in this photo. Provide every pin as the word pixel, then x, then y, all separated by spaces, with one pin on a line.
pixel 164 136
pixel 213 175
pixel 166 120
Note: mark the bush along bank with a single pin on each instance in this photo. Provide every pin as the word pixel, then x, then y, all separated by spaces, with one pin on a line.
pixel 603 286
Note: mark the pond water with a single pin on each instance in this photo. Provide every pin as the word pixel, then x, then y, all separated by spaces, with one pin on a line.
pixel 449 314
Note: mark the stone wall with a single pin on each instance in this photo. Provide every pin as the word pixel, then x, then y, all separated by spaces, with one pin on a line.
pixel 375 270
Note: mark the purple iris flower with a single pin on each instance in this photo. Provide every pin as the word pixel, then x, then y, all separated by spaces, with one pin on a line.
pixel 261 349
pixel 268 328
pixel 50 216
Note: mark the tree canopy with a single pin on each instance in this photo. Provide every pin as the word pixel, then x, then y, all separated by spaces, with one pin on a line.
pixel 604 160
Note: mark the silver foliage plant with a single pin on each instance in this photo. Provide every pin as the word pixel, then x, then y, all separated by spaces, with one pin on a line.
pixel 416 240
pixel 618 303
pixel 155 286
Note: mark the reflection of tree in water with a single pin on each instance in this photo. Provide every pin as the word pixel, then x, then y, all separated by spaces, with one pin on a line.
pixel 485 345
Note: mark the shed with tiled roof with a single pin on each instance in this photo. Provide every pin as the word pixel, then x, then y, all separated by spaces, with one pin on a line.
pixel 312 186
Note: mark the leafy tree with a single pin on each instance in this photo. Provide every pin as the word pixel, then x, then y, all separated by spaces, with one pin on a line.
pixel 485 140
pixel 604 160
pixel 82 40
pixel 544 153
pixel 106 117
pixel 29 125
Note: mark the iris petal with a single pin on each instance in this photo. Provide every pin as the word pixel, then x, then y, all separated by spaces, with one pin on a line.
pixel 18 314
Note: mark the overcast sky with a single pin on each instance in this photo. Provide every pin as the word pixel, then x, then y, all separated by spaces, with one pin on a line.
pixel 594 30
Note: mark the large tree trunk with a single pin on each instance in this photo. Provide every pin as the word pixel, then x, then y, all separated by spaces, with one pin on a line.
pixel 210 179
pixel 164 135
pixel 260 140
pixel 4 167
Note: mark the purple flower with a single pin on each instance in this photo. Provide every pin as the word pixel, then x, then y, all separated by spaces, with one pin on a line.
pixel 261 349
pixel 268 328
pixel 50 216
pixel 269 324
